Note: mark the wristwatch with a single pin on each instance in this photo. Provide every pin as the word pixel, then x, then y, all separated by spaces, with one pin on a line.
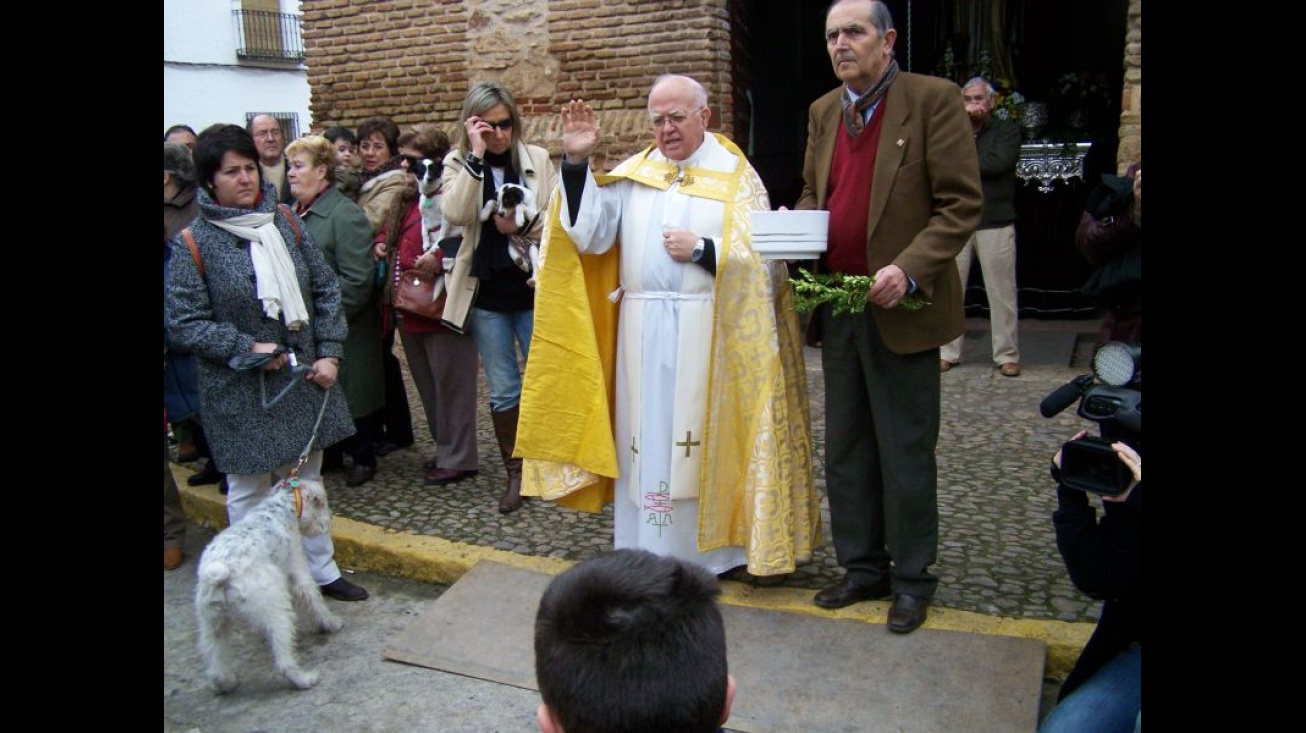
pixel 473 161
pixel 697 254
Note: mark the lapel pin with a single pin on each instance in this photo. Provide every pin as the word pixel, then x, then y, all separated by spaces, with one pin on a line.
pixel 901 142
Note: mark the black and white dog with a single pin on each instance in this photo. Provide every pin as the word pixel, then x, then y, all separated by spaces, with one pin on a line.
pixel 517 202
pixel 428 184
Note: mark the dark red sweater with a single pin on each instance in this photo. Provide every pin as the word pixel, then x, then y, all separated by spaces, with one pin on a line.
pixel 849 200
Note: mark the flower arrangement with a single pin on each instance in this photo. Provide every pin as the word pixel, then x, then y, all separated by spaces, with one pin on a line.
pixel 846 293
pixel 1007 101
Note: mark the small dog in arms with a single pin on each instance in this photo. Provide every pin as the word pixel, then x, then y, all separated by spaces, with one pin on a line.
pixel 519 203
pixel 255 573
pixel 428 185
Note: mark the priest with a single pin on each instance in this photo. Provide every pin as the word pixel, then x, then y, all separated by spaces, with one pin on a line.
pixel 666 370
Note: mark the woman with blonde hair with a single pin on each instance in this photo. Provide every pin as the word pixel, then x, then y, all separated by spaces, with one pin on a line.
pixel 341 229
pixel 488 292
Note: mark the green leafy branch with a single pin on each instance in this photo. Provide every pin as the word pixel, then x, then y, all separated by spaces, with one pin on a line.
pixel 846 293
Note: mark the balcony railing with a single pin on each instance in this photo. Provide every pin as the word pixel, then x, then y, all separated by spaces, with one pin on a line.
pixel 266 36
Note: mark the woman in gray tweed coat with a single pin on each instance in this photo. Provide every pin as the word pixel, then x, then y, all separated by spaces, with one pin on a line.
pixel 259 283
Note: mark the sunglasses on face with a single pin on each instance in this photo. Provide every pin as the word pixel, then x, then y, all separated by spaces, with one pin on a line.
pixel 505 124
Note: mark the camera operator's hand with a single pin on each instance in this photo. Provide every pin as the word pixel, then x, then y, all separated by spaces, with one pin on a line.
pixel 1134 462
pixel 1056 459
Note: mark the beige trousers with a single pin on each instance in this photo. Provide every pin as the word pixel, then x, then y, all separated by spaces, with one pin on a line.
pixel 996 250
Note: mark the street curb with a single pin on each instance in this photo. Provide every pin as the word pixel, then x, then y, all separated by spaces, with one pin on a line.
pixel 367 547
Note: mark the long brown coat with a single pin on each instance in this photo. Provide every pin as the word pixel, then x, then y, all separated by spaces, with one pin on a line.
pixel 925 200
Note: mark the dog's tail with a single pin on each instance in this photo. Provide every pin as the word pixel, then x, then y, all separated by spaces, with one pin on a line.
pixel 215 575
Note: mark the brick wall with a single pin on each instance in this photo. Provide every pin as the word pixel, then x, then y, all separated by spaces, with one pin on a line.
pixel 414 61
pixel 1131 116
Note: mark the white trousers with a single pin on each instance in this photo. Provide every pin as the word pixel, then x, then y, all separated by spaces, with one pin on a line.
pixel 244 492
pixel 996 250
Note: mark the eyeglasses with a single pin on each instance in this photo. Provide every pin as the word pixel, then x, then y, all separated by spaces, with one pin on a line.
pixel 373 147
pixel 675 118
pixel 272 134
pixel 505 124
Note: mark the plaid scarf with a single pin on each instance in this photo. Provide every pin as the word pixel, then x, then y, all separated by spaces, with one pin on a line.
pixel 853 114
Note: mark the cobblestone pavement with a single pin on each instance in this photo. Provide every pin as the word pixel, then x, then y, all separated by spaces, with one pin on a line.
pixel 997 552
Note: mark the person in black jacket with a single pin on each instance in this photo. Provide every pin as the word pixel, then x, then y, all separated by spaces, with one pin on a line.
pixel 1104 690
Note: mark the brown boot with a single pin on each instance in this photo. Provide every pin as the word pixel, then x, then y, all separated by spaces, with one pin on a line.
pixel 505 429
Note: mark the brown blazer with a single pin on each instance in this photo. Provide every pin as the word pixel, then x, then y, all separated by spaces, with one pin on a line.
pixel 925 200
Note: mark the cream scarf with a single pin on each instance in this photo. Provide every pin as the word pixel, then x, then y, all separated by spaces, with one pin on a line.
pixel 274 272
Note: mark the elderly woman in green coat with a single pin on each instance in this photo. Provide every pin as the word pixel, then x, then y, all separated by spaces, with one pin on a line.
pixel 343 232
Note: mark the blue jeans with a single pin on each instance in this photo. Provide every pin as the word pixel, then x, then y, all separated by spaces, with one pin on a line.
pixel 1108 702
pixel 498 335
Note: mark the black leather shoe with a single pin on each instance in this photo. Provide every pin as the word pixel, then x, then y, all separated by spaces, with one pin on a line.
pixel 907 613
pixel 208 475
pixel 846 593
pixel 342 590
pixel 359 475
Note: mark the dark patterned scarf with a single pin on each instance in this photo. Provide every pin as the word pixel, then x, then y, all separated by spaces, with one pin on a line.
pixel 390 165
pixel 854 115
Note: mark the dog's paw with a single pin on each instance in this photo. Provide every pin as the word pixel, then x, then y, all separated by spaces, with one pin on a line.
pixel 222 684
pixel 303 678
pixel 330 624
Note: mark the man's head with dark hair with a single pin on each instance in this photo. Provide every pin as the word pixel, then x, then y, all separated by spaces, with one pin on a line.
pixel 180 134
pixel 633 642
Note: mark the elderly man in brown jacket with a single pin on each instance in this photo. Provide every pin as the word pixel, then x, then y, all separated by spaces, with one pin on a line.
pixel 891 156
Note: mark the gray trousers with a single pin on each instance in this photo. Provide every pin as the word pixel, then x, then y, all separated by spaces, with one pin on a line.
pixel 881 429
pixel 443 367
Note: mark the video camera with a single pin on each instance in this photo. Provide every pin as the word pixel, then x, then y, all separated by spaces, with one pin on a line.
pixel 1112 397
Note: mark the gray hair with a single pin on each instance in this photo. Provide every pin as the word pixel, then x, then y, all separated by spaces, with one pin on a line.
pixel 979 81
pixel 881 18
pixel 177 161
pixel 700 93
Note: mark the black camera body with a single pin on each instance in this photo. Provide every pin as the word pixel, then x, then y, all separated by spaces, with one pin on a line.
pixel 1112 397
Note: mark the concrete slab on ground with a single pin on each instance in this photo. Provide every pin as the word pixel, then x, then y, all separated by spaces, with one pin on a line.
pixel 831 674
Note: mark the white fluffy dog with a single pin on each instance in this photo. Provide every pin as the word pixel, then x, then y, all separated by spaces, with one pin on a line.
pixel 255 573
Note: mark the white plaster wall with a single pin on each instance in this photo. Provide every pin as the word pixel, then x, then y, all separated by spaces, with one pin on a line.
pixel 204 83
